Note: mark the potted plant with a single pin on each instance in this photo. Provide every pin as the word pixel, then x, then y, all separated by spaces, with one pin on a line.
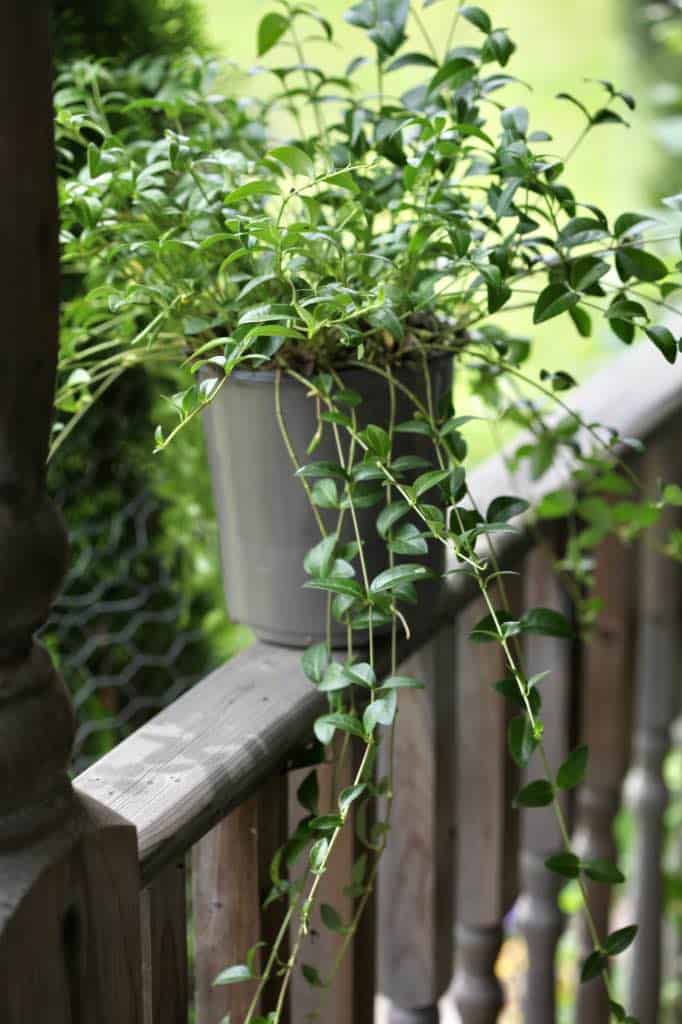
pixel 316 276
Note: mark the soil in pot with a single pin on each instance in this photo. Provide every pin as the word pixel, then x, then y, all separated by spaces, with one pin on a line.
pixel 265 521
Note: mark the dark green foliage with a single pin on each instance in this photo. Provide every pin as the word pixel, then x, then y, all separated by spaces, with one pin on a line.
pixel 125 29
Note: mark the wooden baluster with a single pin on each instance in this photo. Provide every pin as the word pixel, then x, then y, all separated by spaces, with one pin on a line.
pixel 658 687
pixel 486 824
pixel 416 891
pixel 230 882
pixel 164 948
pixel 321 946
pixel 605 703
pixel 69 875
pixel 539 916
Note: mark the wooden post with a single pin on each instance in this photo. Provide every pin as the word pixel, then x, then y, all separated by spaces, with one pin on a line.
pixel 658 687
pixel 486 824
pixel 539 916
pixel 416 877
pixel 605 701
pixel 69 912
pixel 164 947
pixel 230 882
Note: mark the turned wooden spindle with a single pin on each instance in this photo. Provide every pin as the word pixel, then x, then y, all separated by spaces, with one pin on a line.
pixel 69 914
pixel 605 680
pixel 658 694
pixel 539 917
pixel 416 878
pixel 487 825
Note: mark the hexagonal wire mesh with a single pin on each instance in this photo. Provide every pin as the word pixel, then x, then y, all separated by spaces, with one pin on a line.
pixel 125 637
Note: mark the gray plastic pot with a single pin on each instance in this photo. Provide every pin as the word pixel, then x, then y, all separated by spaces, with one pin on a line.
pixel 265 522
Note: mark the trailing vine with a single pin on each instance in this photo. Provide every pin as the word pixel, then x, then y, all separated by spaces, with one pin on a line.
pixel 326 230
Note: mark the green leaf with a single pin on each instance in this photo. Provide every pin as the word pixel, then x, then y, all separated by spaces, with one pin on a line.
pixel 336 585
pixel 308 793
pixel 318 854
pixel 312 976
pixel 337 720
pixel 319 559
pixel 498 47
pixel 362 674
pixel 456 72
pixel 405 573
pixel 600 870
pixel 407 540
pixel 565 864
pixel 672 495
pixel 271 29
pixel 390 515
pixel 335 678
pixel 556 505
pixel 380 712
pixel 593 966
pixel 631 262
pixel 401 683
pixel 326 823
pixel 554 300
pixel 619 941
pixel 348 796
pixel 426 481
pixel 521 740
pixel 627 221
pixel 664 342
pixel 586 271
pixel 572 771
pixel 234 975
pixel 252 188
pixel 414 427
pixel 297 160
pixel 535 794
pixel 502 509
pixel 582 320
pixel 477 17
pixel 409 60
pixel 546 622
pixel 331 919
pixel 378 442
pixel 325 494
pixel 315 661
pixel 485 631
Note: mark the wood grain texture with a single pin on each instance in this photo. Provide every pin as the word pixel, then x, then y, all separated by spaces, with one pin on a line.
pixel 487 825
pixel 416 878
pixel 164 947
pixel 486 782
pixel 539 917
pixel 230 882
pixel 658 696
pixel 70 924
pixel 321 947
pixel 606 684
pixel 206 753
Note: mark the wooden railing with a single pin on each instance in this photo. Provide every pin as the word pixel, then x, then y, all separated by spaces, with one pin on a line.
pixel 208 775
pixel 93 894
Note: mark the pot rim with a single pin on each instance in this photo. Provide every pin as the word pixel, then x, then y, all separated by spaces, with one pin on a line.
pixel 268 376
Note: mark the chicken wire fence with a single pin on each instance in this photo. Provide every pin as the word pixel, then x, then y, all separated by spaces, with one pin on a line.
pixel 122 632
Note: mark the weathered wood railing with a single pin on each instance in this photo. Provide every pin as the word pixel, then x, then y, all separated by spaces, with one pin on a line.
pixel 93 926
pixel 208 775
